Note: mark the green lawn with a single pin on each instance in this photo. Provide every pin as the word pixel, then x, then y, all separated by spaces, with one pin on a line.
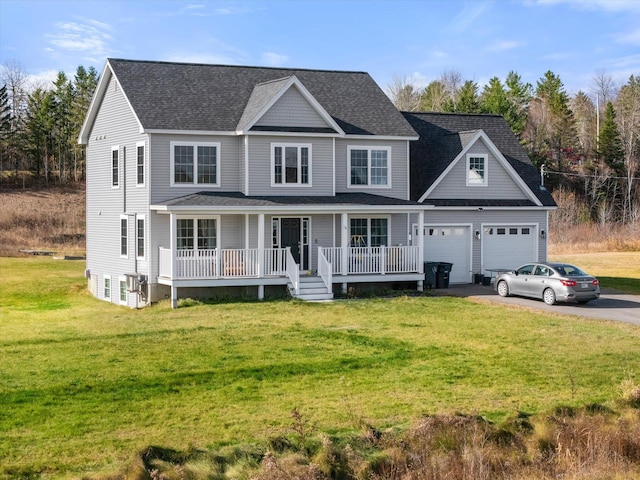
pixel 84 384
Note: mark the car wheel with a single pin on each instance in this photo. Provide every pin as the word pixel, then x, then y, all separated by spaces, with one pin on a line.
pixel 549 296
pixel 503 289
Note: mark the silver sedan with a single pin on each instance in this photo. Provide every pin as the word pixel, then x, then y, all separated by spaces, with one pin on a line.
pixel 551 282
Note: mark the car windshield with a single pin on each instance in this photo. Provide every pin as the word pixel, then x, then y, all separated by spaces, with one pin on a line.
pixel 569 270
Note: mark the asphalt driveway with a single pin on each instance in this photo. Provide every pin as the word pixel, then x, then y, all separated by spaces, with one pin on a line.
pixel 611 305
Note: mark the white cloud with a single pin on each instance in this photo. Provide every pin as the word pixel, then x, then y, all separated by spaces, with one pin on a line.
pixel 274 59
pixel 468 15
pixel 503 46
pixel 632 6
pixel 632 38
pixel 42 79
pixel 85 35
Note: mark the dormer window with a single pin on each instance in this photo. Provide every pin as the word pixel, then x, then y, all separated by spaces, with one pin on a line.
pixel 290 164
pixel 476 170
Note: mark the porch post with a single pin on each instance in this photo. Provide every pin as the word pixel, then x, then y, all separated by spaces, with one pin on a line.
pixel 260 254
pixel 174 253
pixel 421 249
pixel 344 250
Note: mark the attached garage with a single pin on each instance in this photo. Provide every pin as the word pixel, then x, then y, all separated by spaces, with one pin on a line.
pixel 450 243
pixel 508 246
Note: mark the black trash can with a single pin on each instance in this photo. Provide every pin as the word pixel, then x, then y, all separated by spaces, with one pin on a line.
pixel 442 275
pixel 430 269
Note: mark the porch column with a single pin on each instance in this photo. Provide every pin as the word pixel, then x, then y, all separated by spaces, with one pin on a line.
pixel 420 241
pixel 174 252
pixel 344 250
pixel 260 254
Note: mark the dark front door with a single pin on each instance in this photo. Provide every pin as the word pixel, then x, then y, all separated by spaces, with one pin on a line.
pixel 290 236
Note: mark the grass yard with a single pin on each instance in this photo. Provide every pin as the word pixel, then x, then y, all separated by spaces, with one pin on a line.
pixel 86 385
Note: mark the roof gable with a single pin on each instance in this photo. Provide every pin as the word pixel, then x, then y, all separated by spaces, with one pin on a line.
pixel 468 140
pixel 443 136
pixel 265 108
pixel 213 98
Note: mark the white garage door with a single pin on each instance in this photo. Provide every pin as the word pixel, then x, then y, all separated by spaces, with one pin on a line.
pixel 450 243
pixel 508 246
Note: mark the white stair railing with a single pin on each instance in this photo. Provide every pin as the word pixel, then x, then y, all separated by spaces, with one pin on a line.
pixel 324 270
pixel 293 272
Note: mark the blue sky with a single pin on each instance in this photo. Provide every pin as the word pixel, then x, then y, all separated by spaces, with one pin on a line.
pixel 416 39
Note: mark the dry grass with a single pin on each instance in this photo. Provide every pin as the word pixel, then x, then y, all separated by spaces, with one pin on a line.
pixel 591 238
pixel 51 219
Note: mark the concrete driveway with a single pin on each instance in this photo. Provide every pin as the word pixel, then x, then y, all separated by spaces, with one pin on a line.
pixel 611 305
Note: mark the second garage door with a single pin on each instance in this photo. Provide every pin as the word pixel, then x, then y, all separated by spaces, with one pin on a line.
pixel 508 246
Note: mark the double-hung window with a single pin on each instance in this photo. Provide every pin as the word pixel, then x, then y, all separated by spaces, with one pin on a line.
pixel 476 170
pixel 115 167
pixel 198 233
pixel 369 166
pixel 140 163
pixel 369 232
pixel 140 236
pixel 124 236
pixel 123 290
pixel 290 164
pixel 195 163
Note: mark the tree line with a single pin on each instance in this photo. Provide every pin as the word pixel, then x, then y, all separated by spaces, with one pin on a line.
pixel 587 144
pixel 40 124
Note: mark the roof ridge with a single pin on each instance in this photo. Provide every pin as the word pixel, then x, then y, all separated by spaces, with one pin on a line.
pixel 197 64
pixel 460 114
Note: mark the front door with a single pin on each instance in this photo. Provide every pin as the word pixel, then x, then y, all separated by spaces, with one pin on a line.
pixel 291 236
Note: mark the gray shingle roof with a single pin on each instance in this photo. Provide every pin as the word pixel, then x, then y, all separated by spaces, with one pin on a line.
pixel 183 96
pixel 238 199
pixel 444 135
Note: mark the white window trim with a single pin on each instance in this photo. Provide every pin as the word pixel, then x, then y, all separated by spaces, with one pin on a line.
pixel 369 218
pixel 298 184
pixel 484 156
pixel 144 163
pixel 124 217
pixel 368 148
pixel 195 219
pixel 195 146
pixel 115 148
pixel 144 239
pixel 104 279
pixel 126 294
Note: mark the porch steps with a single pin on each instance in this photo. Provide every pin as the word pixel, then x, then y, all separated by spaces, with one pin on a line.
pixel 312 289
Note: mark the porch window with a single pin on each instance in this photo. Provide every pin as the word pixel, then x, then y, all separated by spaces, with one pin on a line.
pixel 369 166
pixel 369 232
pixel 477 170
pixel 195 164
pixel 291 164
pixel 200 232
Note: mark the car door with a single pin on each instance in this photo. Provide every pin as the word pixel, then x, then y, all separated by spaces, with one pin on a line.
pixel 539 281
pixel 520 282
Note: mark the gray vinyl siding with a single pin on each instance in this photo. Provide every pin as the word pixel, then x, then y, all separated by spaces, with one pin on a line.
pixel 399 167
pixel 500 185
pixel 292 110
pixel 537 218
pixel 115 125
pixel 229 171
pixel 260 166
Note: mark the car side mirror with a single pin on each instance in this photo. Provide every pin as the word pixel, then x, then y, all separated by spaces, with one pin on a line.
pixel 515 272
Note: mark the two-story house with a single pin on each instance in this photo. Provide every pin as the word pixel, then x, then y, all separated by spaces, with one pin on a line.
pixel 203 179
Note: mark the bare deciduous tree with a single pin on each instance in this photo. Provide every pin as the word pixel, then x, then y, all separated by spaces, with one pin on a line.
pixel 404 95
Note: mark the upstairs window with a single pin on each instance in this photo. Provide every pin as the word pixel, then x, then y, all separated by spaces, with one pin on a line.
pixel 195 164
pixel 477 170
pixel 115 167
pixel 291 164
pixel 140 163
pixel 369 166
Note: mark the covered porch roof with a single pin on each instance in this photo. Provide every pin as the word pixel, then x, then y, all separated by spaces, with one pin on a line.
pixel 237 202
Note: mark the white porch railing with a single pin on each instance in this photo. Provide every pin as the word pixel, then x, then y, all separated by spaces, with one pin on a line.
pixel 293 272
pixel 324 270
pixel 239 263
pixel 374 260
